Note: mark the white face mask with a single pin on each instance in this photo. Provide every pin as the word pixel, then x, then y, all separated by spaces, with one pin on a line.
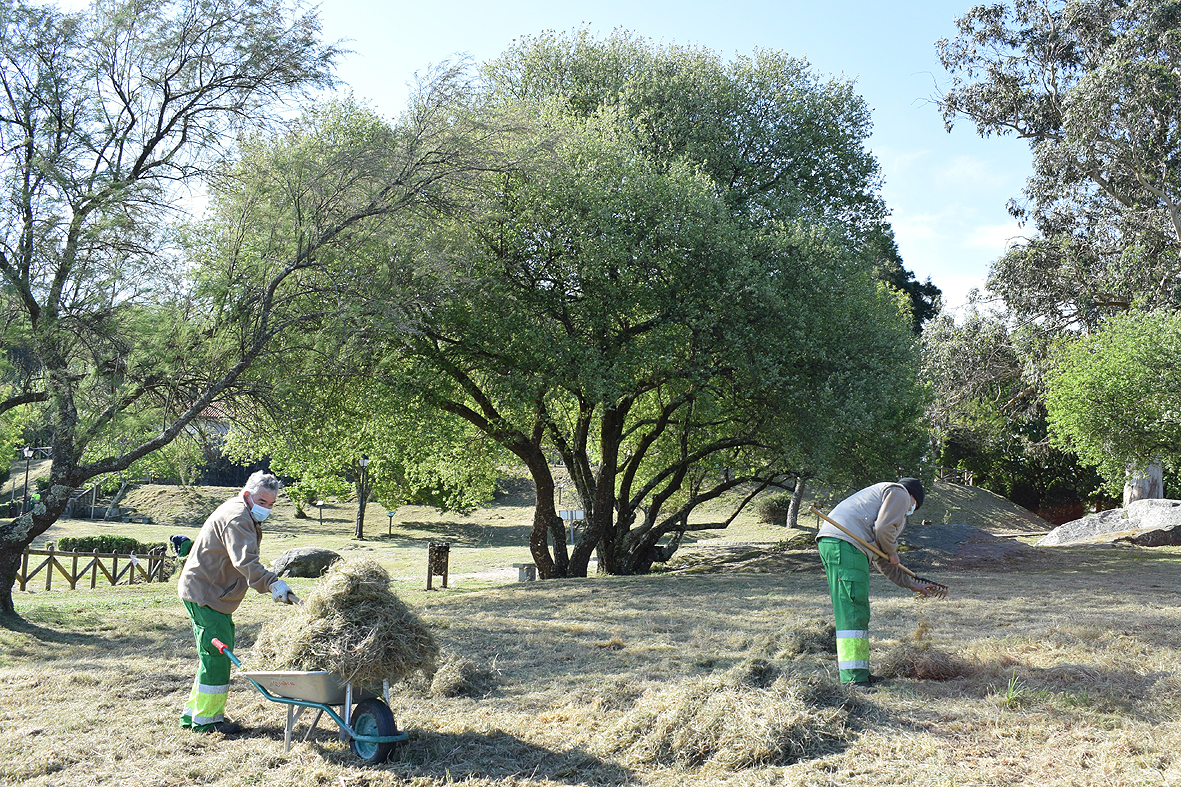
pixel 259 512
pixel 912 508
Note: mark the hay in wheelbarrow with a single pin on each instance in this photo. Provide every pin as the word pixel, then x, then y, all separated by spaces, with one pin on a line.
pixel 353 625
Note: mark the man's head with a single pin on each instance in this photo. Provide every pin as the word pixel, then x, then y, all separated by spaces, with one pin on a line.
pixel 262 489
pixel 915 487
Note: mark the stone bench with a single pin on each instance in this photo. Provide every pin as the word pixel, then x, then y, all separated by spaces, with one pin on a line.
pixel 526 572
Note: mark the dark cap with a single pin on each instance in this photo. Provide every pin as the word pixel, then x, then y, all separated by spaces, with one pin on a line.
pixel 915 487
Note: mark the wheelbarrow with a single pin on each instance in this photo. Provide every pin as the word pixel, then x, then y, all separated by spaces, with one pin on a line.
pixel 372 732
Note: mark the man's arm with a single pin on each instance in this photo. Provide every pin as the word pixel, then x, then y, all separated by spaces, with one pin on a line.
pixel 890 521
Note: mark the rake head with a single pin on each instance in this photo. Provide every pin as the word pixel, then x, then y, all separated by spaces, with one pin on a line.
pixel 940 588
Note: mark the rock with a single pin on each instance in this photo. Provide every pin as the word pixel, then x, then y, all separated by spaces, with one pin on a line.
pixel 1088 527
pixel 1157 514
pixel 1155 522
pixel 304 562
pixel 1169 537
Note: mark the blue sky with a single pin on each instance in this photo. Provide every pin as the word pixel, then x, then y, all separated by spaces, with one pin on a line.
pixel 947 192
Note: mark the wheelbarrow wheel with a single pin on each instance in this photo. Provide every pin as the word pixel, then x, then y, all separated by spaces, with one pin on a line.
pixel 373 718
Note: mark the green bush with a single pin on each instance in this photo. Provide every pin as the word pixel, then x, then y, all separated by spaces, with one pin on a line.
pixel 773 508
pixel 120 545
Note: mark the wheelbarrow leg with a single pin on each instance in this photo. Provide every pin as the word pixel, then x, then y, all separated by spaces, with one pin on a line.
pixel 312 728
pixel 293 714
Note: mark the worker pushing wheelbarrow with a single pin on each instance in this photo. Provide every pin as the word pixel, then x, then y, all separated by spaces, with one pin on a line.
pixel 370 728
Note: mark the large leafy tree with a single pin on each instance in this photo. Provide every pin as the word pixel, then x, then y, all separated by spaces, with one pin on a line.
pixel 1115 396
pixel 672 332
pixel 1095 87
pixel 105 117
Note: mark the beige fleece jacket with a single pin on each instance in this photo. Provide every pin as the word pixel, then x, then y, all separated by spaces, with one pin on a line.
pixel 223 562
pixel 877 515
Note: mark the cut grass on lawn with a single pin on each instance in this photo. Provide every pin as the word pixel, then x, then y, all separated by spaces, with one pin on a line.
pixel 1063 675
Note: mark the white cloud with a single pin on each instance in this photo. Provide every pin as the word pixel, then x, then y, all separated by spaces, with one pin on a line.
pixel 994 236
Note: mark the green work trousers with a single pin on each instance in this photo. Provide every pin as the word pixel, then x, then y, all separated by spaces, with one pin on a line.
pixel 847 568
pixel 207 701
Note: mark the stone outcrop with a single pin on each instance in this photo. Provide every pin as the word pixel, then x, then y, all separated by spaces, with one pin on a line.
pixel 1155 522
pixel 304 562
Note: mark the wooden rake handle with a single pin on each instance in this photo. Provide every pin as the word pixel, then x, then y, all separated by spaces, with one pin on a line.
pixel 942 588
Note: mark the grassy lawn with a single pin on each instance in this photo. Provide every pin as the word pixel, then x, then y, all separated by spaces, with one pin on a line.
pixel 1066 673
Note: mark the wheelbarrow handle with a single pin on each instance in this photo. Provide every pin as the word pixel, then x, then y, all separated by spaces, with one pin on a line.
pixel 224 649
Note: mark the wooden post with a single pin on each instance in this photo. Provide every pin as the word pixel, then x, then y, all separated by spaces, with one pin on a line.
pixel 114 569
pixel 24 569
pixel 49 565
pixel 94 569
pixel 74 572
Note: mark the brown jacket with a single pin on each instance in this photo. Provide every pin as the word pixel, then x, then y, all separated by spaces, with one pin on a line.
pixel 223 562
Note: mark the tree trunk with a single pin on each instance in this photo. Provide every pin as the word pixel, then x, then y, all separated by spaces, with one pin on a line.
pixel 797 497
pixel 116 500
pixel 17 534
pixel 1150 485
pixel 10 560
pixel 546 522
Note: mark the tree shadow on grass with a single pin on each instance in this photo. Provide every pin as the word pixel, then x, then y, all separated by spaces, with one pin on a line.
pixel 456 756
pixel 46 634
pixel 458 534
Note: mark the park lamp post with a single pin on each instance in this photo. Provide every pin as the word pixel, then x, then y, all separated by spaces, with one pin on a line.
pixel 28 454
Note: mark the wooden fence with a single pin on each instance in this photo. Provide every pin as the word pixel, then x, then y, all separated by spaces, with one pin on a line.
pixel 955 475
pixel 75 566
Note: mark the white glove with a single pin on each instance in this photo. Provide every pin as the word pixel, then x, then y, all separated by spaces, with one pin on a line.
pixel 279 591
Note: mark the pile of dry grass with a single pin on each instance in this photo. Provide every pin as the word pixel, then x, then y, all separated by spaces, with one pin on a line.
pixel 351 624
pixel 797 638
pixel 720 720
pixel 460 677
pixel 923 662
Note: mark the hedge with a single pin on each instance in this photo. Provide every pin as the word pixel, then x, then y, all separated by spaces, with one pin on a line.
pixel 120 545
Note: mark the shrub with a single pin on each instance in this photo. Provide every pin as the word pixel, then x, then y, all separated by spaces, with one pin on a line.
pixel 773 508
pixel 120 545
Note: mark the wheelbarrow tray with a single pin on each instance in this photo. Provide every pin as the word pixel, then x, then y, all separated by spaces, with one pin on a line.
pixel 321 686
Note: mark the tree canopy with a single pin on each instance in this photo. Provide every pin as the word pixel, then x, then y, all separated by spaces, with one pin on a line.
pixel 674 320
pixel 1095 87
pixel 1115 396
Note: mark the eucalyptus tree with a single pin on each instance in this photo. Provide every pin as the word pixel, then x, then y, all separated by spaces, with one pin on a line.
pixel 1095 87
